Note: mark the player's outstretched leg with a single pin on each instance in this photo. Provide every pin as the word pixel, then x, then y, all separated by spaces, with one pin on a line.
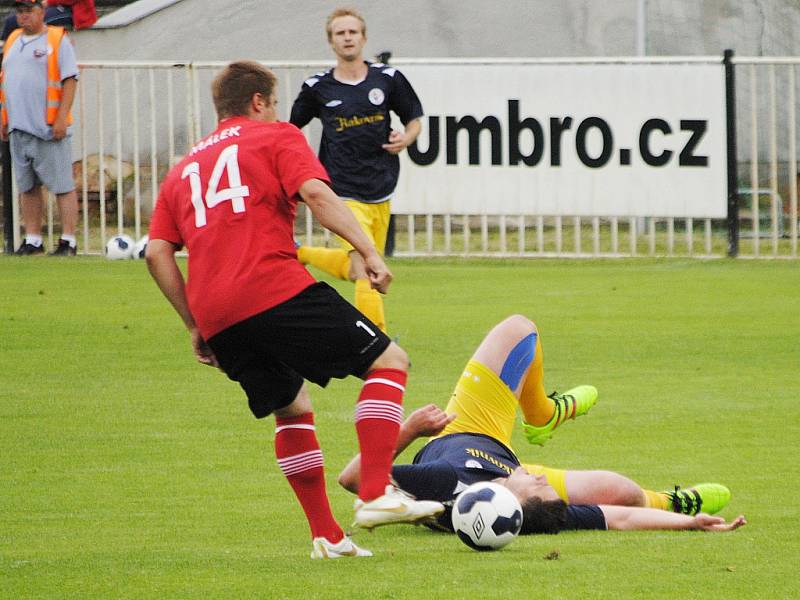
pixel 346 548
pixel 394 506
pixel 569 405
pixel 379 413
pixel 704 497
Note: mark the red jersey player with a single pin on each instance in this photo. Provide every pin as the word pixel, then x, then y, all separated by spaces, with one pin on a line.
pixel 255 312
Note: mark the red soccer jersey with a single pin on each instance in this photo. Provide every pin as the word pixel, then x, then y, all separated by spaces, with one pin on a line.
pixel 232 201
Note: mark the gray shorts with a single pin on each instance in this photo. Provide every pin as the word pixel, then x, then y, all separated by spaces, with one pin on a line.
pixel 37 161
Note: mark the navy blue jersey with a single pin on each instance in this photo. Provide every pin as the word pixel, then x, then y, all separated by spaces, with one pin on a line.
pixel 355 124
pixel 447 465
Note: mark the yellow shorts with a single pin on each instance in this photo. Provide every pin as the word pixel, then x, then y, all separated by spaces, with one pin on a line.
pixel 374 221
pixel 484 404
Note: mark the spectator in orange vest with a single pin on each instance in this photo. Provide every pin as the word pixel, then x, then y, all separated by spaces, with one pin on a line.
pixel 37 87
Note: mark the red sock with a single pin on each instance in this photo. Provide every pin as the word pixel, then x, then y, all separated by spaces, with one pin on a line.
pixel 379 413
pixel 300 459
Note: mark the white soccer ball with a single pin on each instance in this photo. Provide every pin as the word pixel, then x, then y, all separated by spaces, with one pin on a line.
pixel 119 247
pixel 140 247
pixel 487 516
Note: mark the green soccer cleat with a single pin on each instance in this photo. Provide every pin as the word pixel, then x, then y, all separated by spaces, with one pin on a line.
pixel 704 497
pixel 569 405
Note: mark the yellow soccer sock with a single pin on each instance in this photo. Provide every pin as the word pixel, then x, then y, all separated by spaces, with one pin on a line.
pixel 369 302
pixel 536 407
pixel 333 261
pixel 656 500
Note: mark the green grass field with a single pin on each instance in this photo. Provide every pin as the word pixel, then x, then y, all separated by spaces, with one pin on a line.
pixel 128 471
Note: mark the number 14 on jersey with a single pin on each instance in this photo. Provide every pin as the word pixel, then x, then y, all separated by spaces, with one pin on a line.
pixel 228 160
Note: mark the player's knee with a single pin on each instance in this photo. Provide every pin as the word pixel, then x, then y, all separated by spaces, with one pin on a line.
pixel 394 357
pixel 621 491
pixel 518 326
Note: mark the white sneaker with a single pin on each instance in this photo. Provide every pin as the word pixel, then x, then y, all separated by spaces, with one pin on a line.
pixel 346 548
pixel 395 506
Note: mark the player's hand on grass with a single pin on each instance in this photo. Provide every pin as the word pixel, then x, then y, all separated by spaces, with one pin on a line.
pixel 397 142
pixel 711 523
pixel 379 274
pixel 202 350
pixel 428 420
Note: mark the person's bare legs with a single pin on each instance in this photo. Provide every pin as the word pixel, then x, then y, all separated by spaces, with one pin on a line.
pixel 603 487
pixel 68 208
pixel 32 208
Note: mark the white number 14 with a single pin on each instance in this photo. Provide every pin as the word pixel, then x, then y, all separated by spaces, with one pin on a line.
pixel 228 161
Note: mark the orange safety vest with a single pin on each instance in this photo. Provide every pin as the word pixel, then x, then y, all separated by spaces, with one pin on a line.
pixel 54 86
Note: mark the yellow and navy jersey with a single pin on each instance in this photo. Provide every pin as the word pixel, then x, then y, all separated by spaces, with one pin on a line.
pixel 356 122
pixel 447 465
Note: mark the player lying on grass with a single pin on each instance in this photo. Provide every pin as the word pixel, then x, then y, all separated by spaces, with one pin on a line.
pixel 471 443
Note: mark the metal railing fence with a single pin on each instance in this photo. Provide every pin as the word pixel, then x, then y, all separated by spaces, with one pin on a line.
pixel 135 119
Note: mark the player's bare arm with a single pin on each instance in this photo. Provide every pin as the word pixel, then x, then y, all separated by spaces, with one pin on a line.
pixel 427 421
pixel 624 518
pixel 333 214
pixel 400 140
pixel 160 256
pixel 69 86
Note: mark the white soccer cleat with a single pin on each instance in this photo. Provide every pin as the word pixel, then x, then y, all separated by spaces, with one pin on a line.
pixel 345 548
pixel 395 506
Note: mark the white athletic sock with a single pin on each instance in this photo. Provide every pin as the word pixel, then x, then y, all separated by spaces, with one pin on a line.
pixel 33 240
pixel 71 239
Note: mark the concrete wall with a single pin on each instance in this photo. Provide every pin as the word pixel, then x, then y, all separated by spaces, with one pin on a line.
pixel 199 30
pixel 269 30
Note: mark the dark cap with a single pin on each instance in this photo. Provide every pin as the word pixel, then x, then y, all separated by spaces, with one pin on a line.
pixel 28 2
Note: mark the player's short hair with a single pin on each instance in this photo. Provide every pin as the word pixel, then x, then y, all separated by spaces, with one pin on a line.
pixel 543 516
pixel 345 11
pixel 235 85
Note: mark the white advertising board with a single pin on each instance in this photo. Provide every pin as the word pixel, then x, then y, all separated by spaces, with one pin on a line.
pixel 636 139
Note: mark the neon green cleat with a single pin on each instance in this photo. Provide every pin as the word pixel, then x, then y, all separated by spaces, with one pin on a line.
pixel 704 497
pixel 569 405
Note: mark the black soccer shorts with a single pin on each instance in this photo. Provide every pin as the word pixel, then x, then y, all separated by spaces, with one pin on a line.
pixel 317 335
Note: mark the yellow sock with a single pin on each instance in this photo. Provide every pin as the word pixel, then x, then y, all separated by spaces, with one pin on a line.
pixel 333 261
pixel 656 500
pixel 369 302
pixel 536 407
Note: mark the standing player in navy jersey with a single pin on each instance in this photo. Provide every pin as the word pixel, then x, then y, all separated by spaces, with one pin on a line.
pixel 472 442
pixel 358 148
pixel 254 311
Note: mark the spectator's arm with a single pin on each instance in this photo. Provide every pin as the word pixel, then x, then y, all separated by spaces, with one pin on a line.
pixel 69 86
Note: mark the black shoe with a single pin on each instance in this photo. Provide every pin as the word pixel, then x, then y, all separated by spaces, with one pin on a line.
pixel 27 249
pixel 64 249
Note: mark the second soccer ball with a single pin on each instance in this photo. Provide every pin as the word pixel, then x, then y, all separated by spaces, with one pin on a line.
pixel 119 247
